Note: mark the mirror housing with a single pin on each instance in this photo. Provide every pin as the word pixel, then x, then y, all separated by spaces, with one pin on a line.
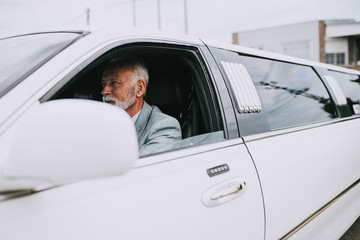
pixel 64 141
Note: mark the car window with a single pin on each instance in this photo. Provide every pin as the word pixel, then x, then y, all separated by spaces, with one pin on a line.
pixel 23 54
pixel 350 85
pixel 291 95
pixel 179 85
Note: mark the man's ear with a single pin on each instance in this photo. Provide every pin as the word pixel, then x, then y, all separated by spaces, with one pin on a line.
pixel 140 88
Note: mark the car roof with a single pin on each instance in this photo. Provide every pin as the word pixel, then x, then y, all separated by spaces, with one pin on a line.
pixel 118 32
pixel 136 32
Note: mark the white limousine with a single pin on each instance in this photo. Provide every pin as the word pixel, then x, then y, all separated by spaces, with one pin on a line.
pixel 269 148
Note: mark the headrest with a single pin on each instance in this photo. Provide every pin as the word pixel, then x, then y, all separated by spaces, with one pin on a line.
pixel 163 91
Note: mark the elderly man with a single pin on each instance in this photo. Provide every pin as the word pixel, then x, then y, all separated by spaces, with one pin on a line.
pixel 124 84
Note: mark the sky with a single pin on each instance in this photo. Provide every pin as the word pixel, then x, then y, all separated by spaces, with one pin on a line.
pixel 214 19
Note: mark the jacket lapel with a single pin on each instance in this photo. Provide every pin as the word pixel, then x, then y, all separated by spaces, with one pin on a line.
pixel 142 120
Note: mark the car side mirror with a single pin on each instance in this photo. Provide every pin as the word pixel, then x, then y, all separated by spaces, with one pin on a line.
pixel 65 141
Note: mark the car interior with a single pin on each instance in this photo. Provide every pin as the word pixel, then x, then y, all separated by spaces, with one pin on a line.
pixel 176 86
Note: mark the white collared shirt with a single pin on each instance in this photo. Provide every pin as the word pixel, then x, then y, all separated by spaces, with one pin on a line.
pixel 135 117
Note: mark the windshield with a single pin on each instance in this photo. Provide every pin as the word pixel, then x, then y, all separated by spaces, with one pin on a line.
pixel 21 55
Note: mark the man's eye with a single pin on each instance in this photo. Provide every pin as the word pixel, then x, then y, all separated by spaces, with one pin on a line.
pixel 115 84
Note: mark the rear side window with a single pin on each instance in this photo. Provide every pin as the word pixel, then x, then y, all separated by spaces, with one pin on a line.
pixel 350 84
pixel 291 95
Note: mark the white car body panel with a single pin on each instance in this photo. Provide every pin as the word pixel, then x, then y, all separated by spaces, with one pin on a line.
pixel 341 215
pixel 297 178
pixel 156 201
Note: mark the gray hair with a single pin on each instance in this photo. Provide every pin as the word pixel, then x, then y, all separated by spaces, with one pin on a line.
pixel 137 65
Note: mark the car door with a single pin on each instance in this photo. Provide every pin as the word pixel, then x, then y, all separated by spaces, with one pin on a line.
pixel 202 189
pixel 303 148
pixel 169 197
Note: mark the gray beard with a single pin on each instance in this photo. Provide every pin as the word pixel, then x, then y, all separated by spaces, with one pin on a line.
pixel 128 102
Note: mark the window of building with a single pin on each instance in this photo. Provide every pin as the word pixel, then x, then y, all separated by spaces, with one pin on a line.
pixel 340 58
pixel 330 58
pixel 335 58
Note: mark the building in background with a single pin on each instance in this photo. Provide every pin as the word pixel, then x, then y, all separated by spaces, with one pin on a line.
pixel 331 41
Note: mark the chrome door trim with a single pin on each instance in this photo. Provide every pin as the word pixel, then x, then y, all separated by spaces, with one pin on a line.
pixel 318 212
pixel 180 153
pixel 279 132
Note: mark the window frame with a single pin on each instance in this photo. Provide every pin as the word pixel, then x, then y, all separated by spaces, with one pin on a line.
pixel 210 94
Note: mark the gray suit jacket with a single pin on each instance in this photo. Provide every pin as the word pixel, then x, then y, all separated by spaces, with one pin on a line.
pixel 155 129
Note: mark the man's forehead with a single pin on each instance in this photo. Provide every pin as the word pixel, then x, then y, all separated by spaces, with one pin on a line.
pixel 116 72
pixel 109 74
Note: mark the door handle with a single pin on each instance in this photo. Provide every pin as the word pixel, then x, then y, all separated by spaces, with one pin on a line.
pixel 224 192
pixel 231 190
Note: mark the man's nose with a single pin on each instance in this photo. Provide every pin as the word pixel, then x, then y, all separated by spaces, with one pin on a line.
pixel 106 89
